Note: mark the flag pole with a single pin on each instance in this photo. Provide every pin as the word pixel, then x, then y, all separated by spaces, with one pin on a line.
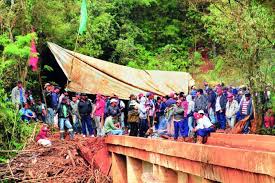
pixel 82 28
pixel 75 46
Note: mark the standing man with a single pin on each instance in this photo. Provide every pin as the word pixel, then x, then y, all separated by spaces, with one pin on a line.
pixel 18 95
pixel 98 114
pixel 75 115
pixel 133 116
pixel 200 101
pixel 85 110
pixel 232 107
pixel 151 105
pixel 158 113
pixel 180 122
pixel 55 102
pixel 143 117
pixel 48 96
pixel 220 108
pixel 246 109
pixel 64 111
pixel 211 97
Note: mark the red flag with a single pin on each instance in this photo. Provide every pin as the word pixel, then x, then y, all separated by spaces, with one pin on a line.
pixel 33 62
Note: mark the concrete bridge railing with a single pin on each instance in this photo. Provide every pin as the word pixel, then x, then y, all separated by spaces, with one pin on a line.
pixel 225 160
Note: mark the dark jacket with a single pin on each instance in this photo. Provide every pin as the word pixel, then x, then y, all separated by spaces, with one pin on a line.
pixel 201 103
pixel 178 113
pixel 54 102
pixel 212 99
pixel 162 108
pixel 113 111
pixel 85 107
pixel 249 107
pixel 60 110
pixel 223 101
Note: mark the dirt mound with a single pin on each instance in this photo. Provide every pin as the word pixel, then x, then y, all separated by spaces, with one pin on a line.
pixel 62 162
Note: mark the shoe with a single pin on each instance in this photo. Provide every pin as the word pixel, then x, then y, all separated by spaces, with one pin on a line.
pixel 199 140
pixel 83 136
pixel 61 135
pixel 71 135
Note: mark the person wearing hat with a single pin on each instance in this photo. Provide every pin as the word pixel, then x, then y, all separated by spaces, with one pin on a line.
pixel 180 122
pixel 64 110
pixel 133 115
pixel 48 87
pixel 112 126
pixel 204 127
pixel 143 117
pixel 232 107
pixel 113 109
pixel 246 109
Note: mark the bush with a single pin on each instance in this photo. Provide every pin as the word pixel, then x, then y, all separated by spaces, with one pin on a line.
pixel 13 132
pixel 267 131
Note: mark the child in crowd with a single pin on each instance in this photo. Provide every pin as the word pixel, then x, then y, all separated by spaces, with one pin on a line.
pixel 41 138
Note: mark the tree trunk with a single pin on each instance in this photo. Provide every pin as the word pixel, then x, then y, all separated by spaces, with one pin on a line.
pixel 258 112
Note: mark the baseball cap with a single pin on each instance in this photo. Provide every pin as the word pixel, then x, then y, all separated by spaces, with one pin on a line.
pixel 201 112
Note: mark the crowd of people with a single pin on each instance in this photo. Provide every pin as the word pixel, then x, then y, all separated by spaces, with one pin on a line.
pixel 177 115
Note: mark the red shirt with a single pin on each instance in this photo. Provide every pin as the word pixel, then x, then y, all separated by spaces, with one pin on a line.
pixel 42 134
pixel 100 106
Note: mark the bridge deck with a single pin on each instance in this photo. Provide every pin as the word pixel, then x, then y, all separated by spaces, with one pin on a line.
pixel 226 158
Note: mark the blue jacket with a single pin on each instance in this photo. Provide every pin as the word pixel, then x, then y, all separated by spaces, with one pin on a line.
pixel 54 100
pixel 162 108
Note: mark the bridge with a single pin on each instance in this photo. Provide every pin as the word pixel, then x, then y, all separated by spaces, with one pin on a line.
pixel 225 158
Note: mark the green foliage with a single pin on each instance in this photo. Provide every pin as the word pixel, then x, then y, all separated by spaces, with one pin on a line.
pixel 266 131
pixel 48 68
pixel 13 132
pixel 145 34
pixel 14 58
pixel 245 31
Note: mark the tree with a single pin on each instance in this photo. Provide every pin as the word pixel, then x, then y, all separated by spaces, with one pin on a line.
pixel 244 29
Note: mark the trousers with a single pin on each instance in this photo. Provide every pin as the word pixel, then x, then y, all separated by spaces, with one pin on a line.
pixel 182 127
pixel 86 121
pixel 133 129
pixel 143 127
pixel 221 120
pixel 205 132
pixel 65 122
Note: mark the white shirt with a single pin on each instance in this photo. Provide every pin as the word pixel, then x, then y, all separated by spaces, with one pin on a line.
pixel 203 122
pixel 218 106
